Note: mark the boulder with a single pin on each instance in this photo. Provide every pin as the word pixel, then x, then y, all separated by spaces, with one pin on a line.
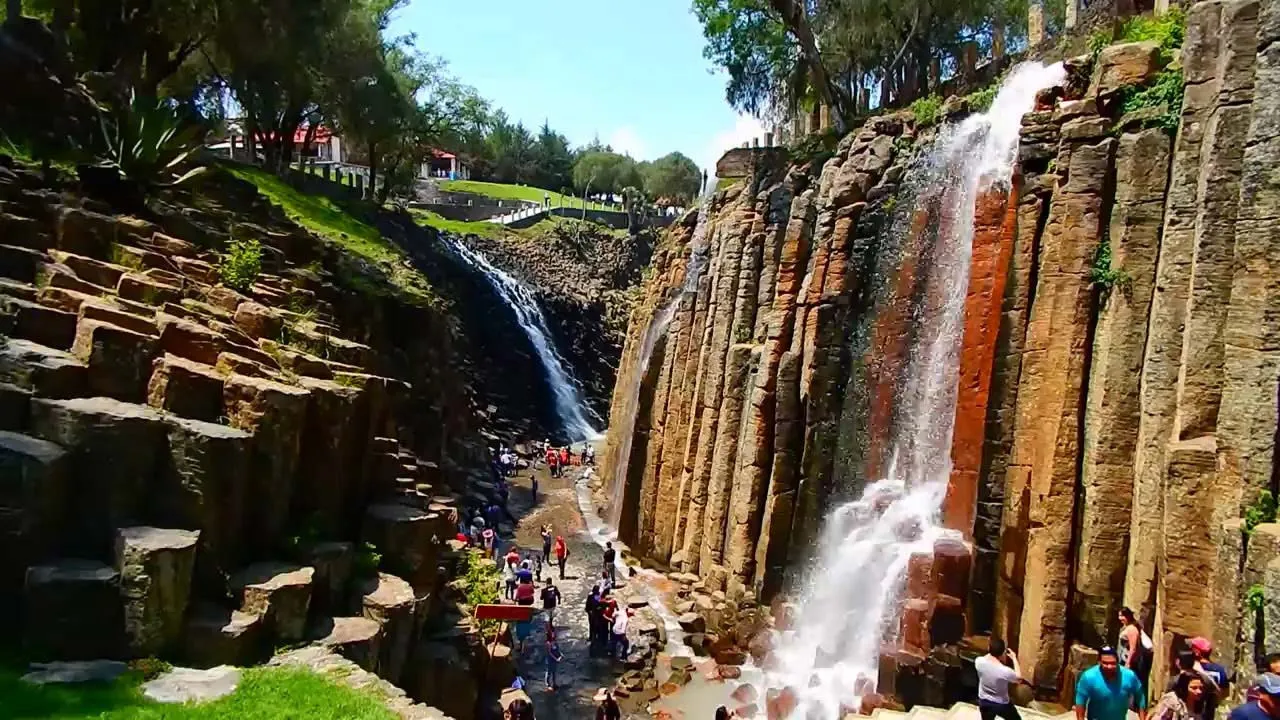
pixel 390 602
pixel 219 636
pixel 57 275
pixel 84 232
pixel 204 483
pixel 15 406
pixel 185 388
pixel 33 492
pixel 406 538
pixel 19 263
pixel 147 290
pixel 155 567
pixel 75 671
pixel 35 322
pixel 189 340
pixel 86 268
pixel 95 309
pixel 280 593
pixel 43 370
pixel 259 321
pixel 115 452
pixel 692 623
pixel 171 246
pixel 189 685
pixel 119 360
pixel 333 563
pixel 357 639
pixel 1124 65
pixel 72 611
pixel 274 413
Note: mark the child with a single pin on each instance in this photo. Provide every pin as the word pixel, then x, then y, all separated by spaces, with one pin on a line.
pixel 554 656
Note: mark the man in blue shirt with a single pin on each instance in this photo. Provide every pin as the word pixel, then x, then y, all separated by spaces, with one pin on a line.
pixel 1107 690
pixel 1264 703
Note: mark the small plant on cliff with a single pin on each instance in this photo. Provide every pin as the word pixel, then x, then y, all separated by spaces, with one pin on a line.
pixel 980 101
pixel 1164 91
pixel 1098 40
pixel 1263 510
pixel 149 668
pixel 1255 598
pixel 482 586
pixel 367 560
pixel 1104 275
pixel 1168 29
pixel 927 110
pixel 241 264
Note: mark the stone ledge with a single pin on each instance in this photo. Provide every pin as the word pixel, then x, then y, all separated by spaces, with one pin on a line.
pixel 345 672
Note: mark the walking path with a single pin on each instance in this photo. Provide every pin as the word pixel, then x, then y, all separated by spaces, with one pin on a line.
pixel 580 676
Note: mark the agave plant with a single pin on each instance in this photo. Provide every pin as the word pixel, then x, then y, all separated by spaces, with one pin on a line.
pixel 148 144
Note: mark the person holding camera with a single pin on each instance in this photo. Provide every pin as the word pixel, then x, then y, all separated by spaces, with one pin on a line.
pixel 996 671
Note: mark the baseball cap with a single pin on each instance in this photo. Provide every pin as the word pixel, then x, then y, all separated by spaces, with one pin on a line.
pixel 1268 683
pixel 1107 650
pixel 1200 645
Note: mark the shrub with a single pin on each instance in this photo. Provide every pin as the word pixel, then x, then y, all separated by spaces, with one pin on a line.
pixel 1263 510
pixel 1165 90
pixel 367 560
pixel 1255 598
pixel 241 264
pixel 1104 275
pixel 980 101
pixel 927 110
pixel 482 586
pixel 1098 40
pixel 147 143
pixel 1168 29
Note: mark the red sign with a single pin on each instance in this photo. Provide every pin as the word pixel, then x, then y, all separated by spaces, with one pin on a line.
pixel 508 613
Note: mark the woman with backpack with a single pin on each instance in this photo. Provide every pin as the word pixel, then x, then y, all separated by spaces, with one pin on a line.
pixel 1135 646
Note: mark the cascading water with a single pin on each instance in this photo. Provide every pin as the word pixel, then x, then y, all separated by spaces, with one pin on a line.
pixel 658 325
pixel 854 592
pixel 570 406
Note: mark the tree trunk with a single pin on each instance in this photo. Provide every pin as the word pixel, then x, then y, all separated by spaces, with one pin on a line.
pixel 373 169
pixel 13 10
pixel 793 16
pixel 585 190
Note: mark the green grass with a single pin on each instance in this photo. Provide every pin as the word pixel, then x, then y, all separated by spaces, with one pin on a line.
pixel 501 191
pixel 264 694
pixel 329 220
pixel 458 227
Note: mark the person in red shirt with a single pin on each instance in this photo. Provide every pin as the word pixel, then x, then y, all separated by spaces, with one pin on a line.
pixel 553 462
pixel 562 553
pixel 564 456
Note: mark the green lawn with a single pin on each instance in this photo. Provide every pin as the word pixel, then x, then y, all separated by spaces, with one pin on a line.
pixel 264 694
pixel 458 227
pixel 329 220
pixel 516 192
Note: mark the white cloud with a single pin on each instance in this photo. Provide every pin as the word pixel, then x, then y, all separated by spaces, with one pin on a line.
pixel 625 141
pixel 745 129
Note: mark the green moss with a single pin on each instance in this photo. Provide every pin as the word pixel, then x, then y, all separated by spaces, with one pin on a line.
pixel 1263 510
pixel 1255 598
pixel 927 110
pixel 1168 29
pixel 1165 90
pixel 1104 275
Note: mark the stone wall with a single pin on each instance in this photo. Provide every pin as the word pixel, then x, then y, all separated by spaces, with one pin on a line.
pixel 1120 371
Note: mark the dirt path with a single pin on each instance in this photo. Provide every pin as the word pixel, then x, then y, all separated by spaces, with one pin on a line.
pixel 580 676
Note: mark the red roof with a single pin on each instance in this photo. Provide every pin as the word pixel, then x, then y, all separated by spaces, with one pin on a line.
pixel 442 155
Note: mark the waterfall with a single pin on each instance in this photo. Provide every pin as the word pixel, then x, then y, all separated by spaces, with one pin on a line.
pixel 853 595
pixel 570 407
pixel 658 325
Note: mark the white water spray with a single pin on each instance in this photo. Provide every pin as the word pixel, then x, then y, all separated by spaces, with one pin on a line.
pixel 853 596
pixel 570 406
pixel 658 325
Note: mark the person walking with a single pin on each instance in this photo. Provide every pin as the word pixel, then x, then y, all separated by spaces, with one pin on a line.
pixel 608 708
pixel 509 579
pixel 996 671
pixel 1107 690
pixel 564 458
pixel 1203 651
pixel 553 462
pixel 591 606
pixel 1188 700
pixel 550 601
pixel 1264 700
pixel 610 555
pixel 553 659
pixel 533 487
pixel 620 645
pixel 1134 647
pixel 562 554
pixel 546 543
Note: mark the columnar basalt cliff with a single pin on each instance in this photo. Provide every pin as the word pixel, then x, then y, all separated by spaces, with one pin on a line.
pixel 1116 415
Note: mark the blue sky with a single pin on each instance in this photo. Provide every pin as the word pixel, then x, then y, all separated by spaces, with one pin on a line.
pixel 630 73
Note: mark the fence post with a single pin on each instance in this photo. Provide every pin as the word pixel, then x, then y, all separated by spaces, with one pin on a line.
pixel 360 186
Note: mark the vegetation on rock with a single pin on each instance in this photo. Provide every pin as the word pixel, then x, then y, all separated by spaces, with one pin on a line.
pixel 241 264
pixel 1263 510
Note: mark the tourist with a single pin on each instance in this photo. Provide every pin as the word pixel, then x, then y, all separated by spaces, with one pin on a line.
pixel 591 606
pixel 1203 651
pixel 535 560
pixel 605 584
pixel 610 568
pixel 550 601
pixel 553 462
pixel 1186 664
pixel 546 543
pixel 490 541
pixel 1106 690
pixel 519 709
pixel 553 658
pixel 620 645
pixel 1264 700
pixel 996 670
pixel 533 488
pixel 509 578
pixel 524 574
pixel 525 592
pixel 1135 646
pixel 1188 700
pixel 562 554
pixel 1272 663
pixel 608 708
pixel 589 454
pixel 564 458
pixel 722 713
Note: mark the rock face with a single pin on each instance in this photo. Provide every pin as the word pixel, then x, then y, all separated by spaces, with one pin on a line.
pixel 155 567
pixel 1119 364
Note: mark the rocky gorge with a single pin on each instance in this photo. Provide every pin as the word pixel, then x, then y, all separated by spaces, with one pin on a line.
pixel 1115 415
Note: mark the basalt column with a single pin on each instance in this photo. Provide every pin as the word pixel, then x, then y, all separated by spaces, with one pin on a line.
pixel 1111 416
pixel 1044 462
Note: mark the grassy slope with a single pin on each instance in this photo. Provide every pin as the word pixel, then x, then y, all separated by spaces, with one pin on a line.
pixel 326 218
pixel 263 694
pixel 515 192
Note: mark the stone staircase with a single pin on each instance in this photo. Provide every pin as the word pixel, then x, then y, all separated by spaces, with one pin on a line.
pixel 195 473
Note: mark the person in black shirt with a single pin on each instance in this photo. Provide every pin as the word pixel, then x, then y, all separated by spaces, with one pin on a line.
pixel 550 600
pixel 609 556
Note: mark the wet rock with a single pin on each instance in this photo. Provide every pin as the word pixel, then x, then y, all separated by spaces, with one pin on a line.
pixel 280 593
pixel 73 611
pixel 15 406
pixel 220 636
pixel 155 567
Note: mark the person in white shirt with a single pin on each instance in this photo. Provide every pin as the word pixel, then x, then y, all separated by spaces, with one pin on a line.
pixel 994 678
pixel 620 642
